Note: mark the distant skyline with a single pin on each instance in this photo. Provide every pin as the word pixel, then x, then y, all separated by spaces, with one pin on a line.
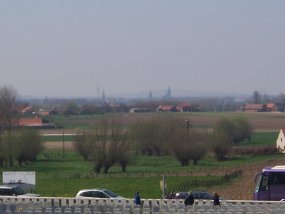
pixel 72 48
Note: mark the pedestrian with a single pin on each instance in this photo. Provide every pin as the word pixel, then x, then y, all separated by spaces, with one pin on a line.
pixel 189 199
pixel 137 199
pixel 216 200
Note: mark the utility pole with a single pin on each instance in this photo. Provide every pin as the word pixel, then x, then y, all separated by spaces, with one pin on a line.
pixel 63 145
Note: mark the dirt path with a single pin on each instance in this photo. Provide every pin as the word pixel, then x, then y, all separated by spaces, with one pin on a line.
pixel 68 145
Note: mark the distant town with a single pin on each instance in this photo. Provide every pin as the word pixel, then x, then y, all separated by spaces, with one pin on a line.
pixel 34 111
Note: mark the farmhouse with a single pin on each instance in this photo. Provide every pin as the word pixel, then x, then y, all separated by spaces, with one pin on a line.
pixel 166 108
pixel 280 142
pixel 35 122
pixel 184 107
pixel 271 107
pixel 253 107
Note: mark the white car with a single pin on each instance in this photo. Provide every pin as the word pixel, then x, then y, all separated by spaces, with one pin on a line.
pixel 97 193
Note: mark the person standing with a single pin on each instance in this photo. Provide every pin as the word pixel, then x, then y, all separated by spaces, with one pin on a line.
pixel 189 200
pixel 216 200
pixel 137 199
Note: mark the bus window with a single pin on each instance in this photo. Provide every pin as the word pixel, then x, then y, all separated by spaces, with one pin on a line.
pixel 257 182
pixel 277 178
pixel 264 182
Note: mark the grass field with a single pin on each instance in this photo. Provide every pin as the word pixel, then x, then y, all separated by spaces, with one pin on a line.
pixel 260 121
pixel 63 174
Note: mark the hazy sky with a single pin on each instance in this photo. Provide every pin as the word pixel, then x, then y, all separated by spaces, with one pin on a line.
pixel 73 48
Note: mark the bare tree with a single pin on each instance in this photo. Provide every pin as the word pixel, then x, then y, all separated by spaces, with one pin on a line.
pixel 28 145
pixel 181 146
pixel 188 145
pixel 22 145
pixel 106 145
pixel 152 135
pixel 8 98
pixel 221 144
pixel 223 138
pixel 243 130
pixel 82 144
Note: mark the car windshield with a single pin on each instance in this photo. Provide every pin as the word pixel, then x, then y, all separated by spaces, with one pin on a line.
pixel 110 193
pixel 19 191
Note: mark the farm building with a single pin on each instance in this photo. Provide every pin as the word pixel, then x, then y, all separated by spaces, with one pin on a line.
pixel 35 122
pixel 254 107
pixel 184 107
pixel 166 108
pixel 280 142
pixel 271 107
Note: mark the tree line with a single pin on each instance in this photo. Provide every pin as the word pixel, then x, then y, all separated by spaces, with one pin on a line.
pixel 20 145
pixel 111 143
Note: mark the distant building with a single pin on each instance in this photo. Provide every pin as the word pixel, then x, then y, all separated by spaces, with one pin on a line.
pixel 271 107
pixel 139 110
pixel 184 107
pixel 166 108
pixel 35 122
pixel 254 108
pixel 280 142
pixel 268 107
pixel 168 93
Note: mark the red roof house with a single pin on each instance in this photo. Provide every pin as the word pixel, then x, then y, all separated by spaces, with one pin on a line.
pixel 166 108
pixel 253 107
pixel 28 122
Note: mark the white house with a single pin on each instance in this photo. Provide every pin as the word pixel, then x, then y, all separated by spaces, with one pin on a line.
pixel 280 142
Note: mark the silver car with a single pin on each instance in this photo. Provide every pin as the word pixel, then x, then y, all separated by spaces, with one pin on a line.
pixel 97 193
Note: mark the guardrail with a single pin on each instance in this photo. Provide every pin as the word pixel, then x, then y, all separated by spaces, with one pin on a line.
pixel 58 205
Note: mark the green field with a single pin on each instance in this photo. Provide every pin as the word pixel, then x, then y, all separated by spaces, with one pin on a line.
pixel 58 175
pixel 64 176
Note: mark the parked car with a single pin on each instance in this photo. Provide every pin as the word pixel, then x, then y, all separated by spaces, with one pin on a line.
pixel 15 191
pixel 97 193
pixel 196 195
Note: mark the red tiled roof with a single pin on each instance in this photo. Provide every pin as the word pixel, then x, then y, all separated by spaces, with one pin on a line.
pixel 184 105
pixel 30 122
pixel 270 105
pixel 253 106
pixel 166 107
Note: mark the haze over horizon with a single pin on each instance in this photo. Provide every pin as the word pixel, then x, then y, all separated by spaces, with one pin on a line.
pixel 80 48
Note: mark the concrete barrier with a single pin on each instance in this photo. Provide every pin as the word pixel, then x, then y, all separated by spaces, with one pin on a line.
pixel 54 205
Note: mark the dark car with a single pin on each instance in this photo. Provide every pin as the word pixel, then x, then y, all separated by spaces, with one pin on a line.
pixel 196 195
pixel 15 191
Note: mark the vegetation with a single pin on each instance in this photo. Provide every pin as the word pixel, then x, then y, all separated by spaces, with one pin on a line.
pixel 137 149
pixel 8 97
pixel 58 176
pixel 20 145
pixel 105 145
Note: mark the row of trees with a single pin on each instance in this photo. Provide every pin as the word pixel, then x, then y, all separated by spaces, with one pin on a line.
pixel 110 143
pixel 22 146
pixel 105 145
pixel 16 144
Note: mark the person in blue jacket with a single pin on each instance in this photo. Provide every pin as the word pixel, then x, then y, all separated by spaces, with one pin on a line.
pixel 137 199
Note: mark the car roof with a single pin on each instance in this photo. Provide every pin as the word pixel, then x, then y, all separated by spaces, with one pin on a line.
pixel 95 189
pixel 8 187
